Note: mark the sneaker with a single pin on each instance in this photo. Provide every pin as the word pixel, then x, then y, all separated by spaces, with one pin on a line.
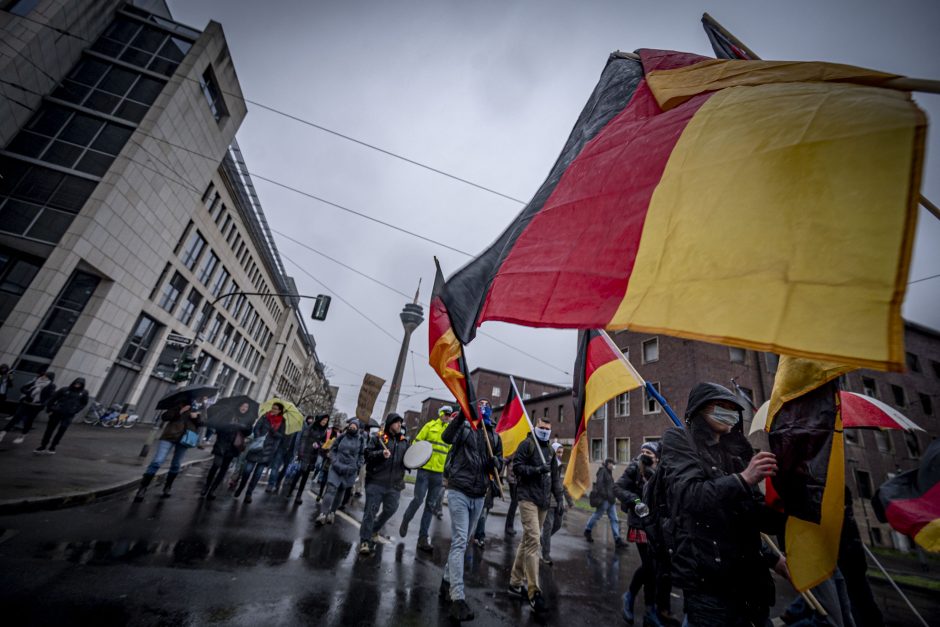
pixel 364 548
pixel 510 531
pixel 403 528
pixel 50 451
pixel 547 561
pixel 19 440
pixel 444 591
pixel 425 545
pixel 460 611
pixel 297 502
pixel 627 613
pixel 537 603
pixel 39 451
pixel 587 535
pixel 620 544
pixel 320 520
pixel 329 518
pixel 518 591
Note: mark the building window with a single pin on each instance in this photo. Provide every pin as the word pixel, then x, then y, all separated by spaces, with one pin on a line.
pixel 207 269
pixel 736 355
pixel 193 249
pixel 898 393
pixel 913 364
pixel 561 413
pixel 206 194
pixel 651 350
pixel 38 203
pixel 221 280
pixel 925 401
pixel 188 310
pixel 913 444
pixel 71 139
pixel 497 393
pixel 883 441
pixel 936 368
pixel 771 361
pixel 140 340
pixel 869 388
pixel 876 534
pixel 863 484
pixel 156 286
pixel 623 450
pixel 58 322
pixel 205 364
pixel 650 406
pixel 224 377
pixel 226 335
pixel 601 413
pixel 171 292
pixel 204 314
pixel 545 413
pixel 240 384
pixel 233 347
pixel 210 89
pixel 214 328
pixel 622 404
pixel 16 273
pixel 141 45
pixel 852 437
pixel 111 89
pixel 597 450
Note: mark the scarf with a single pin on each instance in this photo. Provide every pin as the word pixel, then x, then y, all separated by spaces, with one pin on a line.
pixel 275 420
pixel 36 391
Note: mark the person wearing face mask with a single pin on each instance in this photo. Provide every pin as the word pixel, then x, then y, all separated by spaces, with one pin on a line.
pixel 385 479
pixel 604 501
pixel 346 457
pixel 629 491
pixel 36 394
pixel 538 474
pixel 711 477
pixel 496 445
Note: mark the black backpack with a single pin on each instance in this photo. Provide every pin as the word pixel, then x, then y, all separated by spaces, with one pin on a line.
pixel 664 517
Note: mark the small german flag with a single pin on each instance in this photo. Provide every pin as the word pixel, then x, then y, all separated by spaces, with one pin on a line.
pixel 446 352
pixel 601 373
pixel 910 502
pixel 513 425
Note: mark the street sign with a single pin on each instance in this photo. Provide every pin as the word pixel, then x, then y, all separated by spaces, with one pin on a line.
pixel 178 340
pixel 320 306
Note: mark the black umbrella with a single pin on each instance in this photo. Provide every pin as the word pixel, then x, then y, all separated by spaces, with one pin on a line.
pixel 225 411
pixel 186 395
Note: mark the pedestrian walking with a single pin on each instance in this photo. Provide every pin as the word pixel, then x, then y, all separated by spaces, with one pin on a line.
pixel 385 479
pixel 629 491
pixel 180 433
pixel 555 515
pixel 324 461
pixel 467 473
pixel 62 407
pixel 429 482
pixel 269 433
pixel 513 498
pixel 538 475
pixel 717 512
pixel 605 503
pixel 6 381
pixel 312 438
pixel 496 447
pixel 229 444
pixel 347 455
pixel 36 394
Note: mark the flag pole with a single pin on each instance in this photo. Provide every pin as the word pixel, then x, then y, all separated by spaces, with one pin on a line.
pixel 891 580
pixel 525 414
pixel 807 595
pixel 648 386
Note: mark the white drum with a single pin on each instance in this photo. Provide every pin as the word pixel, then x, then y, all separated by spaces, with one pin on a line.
pixel 418 454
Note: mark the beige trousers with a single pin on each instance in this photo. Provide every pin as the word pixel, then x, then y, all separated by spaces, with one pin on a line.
pixel 526 566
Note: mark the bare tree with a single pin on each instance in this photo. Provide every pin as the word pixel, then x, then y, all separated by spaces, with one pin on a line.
pixel 314 395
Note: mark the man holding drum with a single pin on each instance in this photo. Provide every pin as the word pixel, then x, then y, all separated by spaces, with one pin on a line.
pixel 429 483
pixel 385 479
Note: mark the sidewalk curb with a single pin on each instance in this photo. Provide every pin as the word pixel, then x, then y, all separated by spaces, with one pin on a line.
pixel 77 498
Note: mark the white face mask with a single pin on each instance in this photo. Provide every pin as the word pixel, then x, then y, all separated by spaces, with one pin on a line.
pixel 543 434
pixel 728 417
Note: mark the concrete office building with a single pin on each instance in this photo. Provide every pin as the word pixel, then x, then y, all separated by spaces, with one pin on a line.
pixel 126 208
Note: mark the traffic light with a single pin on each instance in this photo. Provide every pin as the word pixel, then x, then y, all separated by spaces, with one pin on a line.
pixel 184 367
pixel 320 306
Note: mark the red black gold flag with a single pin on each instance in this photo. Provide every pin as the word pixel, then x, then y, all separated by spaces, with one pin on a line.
pixel 679 172
pixel 446 352
pixel 513 426
pixel 910 502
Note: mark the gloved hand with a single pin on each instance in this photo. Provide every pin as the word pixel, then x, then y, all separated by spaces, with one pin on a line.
pixel 561 509
pixel 545 469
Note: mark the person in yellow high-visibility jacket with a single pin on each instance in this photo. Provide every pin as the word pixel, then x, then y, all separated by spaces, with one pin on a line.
pixel 429 484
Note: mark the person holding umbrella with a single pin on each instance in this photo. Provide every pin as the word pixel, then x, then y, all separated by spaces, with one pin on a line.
pixel 229 441
pixel 180 433
pixel 269 431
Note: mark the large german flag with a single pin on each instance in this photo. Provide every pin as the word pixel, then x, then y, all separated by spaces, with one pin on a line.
pixel 601 373
pixel 721 200
pixel 446 352
pixel 513 425
pixel 910 502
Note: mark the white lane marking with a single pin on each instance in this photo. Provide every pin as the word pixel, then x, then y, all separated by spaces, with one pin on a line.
pixel 355 523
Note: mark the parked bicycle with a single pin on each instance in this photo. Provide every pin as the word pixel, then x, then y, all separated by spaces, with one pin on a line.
pixel 116 416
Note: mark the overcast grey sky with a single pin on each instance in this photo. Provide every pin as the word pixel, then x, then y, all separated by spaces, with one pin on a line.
pixel 487 91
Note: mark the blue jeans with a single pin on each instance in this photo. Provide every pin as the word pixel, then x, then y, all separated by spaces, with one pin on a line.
pixel 378 496
pixel 480 533
pixel 610 509
pixel 464 513
pixel 163 450
pixel 278 463
pixel 429 486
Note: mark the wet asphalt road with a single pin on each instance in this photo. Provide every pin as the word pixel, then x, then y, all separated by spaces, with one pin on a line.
pixel 182 561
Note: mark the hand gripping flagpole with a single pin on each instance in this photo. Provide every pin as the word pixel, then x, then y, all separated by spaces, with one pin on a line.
pixel 648 386
pixel 525 414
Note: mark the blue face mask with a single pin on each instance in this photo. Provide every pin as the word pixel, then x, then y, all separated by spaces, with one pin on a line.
pixel 543 434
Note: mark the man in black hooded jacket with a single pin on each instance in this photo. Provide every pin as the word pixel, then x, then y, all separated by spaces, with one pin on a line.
pixel 717 513
pixel 62 407
pixel 385 479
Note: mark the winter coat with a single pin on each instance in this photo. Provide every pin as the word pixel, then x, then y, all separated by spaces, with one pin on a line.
pixel 497 445
pixel 346 458
pixel 68 401
pixel 604 484
pixel 44 395
pixel 432 432
pixel 225 439
pixel 629 488
pixel 311 440
pixel 468 461
pixel 531 483
pixel 178 424
pixel 273 440
pixel 390 472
